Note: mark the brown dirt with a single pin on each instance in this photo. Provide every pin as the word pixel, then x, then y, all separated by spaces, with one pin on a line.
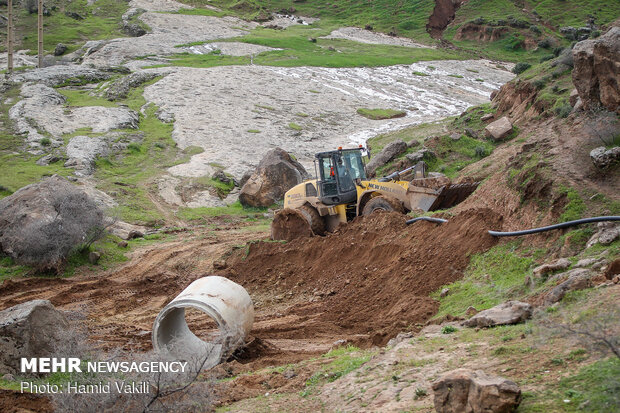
pixel 364 283
pixel 15 402
pixel 443 14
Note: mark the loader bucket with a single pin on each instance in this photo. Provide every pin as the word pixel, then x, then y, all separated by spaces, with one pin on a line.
pixel 444 197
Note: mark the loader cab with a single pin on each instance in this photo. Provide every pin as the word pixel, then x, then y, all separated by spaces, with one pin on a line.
pixel 337 173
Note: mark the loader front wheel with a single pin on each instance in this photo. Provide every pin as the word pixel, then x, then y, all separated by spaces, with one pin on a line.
pixel 382 203
pixel 289 224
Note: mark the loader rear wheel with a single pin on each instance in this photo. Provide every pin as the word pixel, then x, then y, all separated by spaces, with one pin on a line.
pixel 382 203
pixel 290 223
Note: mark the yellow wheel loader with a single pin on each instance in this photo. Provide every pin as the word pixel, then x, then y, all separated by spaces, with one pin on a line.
pixel 342 192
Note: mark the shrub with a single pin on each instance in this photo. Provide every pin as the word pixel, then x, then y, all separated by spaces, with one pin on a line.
pixel 520 68
pixel 480 151
pixel 539 83
pixel 557 51
pixel 545 43
pixel 546 57
pixel 535 29
pixel 563 110
pixel 45 141
pixel 448 330
pixel 69 221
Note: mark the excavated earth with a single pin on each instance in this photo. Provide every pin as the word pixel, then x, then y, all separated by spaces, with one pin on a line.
pixel 364 284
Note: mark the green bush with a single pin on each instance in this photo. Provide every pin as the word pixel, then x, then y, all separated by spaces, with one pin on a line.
pixel 539 83
pixel 521 67
pixel 563 110
pixel 448 330
pixel 45 141
pixel 546 57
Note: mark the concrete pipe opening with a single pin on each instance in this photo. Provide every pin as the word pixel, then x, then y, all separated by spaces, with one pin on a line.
pixel 219 310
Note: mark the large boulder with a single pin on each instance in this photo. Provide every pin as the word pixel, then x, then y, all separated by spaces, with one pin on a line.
pixel 607 233
pixel 42 223
pixel 391 151
pixel 510 312
pixel 603 158
pixel 499 129
pixel 31 329
pixel 467 391
pixel 276 173
pixel 595 74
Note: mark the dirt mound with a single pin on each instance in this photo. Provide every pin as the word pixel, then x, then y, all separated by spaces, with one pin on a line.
pixel 15 402
pixel 369 280
pixel 443 14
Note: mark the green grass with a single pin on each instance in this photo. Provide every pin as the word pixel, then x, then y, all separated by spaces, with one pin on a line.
pixel 417 73
pixel 84 98
pixel 298 51
pixel 594 388
pixel 575 207
pixel 491 278
pixel 418 132
pixel 576 12
pixel 378 114
pixel 220 187
pixel 59 28
pixel 346 360
pixel 406 19
pixel 253 131
pixel 294 126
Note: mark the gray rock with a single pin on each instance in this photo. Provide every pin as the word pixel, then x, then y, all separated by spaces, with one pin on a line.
pixel 82 152
pixel 471 133
pixel 588 262
pixel 60 49
pixel 219 175
pixel 127 231
pixel 420 155
pixel 468 391
pixel 247 174
pixel 389 152
pixel 510 312
pixel 559 264
pixel 47 159
pixel 93 257
pixel 276 173
pixel 572 99
pixel 455 136
pixel 486 117
pixel 499 129
pixel 577 279
pixel 603 158
pixel 607 233
pixel 413 143
pixel 121 87
pixel 31 329
pixel 64 74
pixel 133 29
pixel 444 292
pixel 400 337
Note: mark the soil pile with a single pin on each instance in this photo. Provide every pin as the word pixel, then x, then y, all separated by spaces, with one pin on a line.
pixel 371 279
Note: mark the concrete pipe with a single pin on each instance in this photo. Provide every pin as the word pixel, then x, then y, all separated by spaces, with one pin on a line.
pixel 225 302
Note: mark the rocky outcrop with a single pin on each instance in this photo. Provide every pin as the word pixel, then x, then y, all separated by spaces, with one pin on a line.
pixel 82 152
pixel 559 264
pixel 518 100
pixel 276 173
pixel 510 312
pixel 120 88
pixel 66 75
pixel 468 391
pixel 389 152
pixel 596 75
pixel 31 329
pixel 607 233
pixel 499 129
pixel 603 158
pixel 577 279
pixel 443 14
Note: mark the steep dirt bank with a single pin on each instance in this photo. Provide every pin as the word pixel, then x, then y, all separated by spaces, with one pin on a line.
pixel 443 14
pixel 371 279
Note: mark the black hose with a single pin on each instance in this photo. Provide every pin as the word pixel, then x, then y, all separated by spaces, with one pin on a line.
pixel 527 231
pixel 430 219
pixel 556 226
